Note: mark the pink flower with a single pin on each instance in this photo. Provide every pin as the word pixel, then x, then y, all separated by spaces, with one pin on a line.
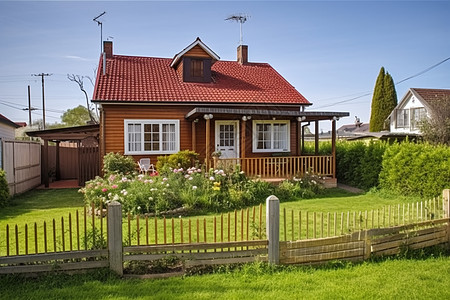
pixel 114 186
pixel 104 190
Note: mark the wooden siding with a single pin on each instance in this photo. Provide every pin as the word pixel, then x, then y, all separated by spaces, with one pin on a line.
pixel 116 114
pixel 197 51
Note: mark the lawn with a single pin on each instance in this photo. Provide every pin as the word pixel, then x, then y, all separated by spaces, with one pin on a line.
pixel 41 206
pixel 389 279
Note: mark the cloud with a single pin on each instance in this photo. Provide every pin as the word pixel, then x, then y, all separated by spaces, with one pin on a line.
pixel 76 58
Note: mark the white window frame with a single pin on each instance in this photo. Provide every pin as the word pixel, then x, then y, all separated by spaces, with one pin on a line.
pixel 143 122
pixel 271 122
pixel 405 117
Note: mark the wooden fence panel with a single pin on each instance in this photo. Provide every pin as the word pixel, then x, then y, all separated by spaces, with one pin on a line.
pixel 22 163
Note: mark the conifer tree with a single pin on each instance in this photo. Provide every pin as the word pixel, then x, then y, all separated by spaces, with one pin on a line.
pixel 384 101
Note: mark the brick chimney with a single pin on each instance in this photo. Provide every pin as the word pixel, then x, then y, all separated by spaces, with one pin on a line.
pixel 108 48
pixel 242 54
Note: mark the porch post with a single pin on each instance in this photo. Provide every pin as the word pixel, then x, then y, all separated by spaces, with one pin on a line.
pixel 45 163
pixel 316 138
pixel 208 138
pixel 243 137
pixel 194 135
pixel 333 146
pixel 58 171
pixel 299 136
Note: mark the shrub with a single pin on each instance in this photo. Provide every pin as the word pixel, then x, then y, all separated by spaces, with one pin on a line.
pixel 4 189
pixel 118 163
pixel 183 159
pixel 416 169
pixel 359 163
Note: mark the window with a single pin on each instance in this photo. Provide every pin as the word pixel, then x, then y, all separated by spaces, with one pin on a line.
pixel 196 68
pixel 152 136
pixel 270 136
pixel 402 118
pixel 417 115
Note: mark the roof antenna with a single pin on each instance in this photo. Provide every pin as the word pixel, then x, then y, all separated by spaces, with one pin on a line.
pixel 241 18
pixel 101 29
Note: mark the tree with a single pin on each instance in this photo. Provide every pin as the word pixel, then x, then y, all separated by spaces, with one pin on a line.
pixel 436 129
pixel 79 80
pixel 384 101
pixel 76 116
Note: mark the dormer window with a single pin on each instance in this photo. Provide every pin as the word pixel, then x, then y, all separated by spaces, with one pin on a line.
pixel 194 62
pixel 196 69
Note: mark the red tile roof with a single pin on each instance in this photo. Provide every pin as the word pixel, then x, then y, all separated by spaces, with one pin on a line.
pixel 431 95
pixel 149 79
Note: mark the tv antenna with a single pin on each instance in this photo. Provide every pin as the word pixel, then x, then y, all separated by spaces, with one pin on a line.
pixel 101 29
pixel 241 18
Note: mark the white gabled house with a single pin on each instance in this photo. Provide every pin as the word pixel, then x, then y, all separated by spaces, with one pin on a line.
pixel 413 107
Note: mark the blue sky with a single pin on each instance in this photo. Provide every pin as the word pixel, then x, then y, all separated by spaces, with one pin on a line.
pixel 331 51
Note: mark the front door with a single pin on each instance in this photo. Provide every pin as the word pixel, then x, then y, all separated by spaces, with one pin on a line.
pixel 227 138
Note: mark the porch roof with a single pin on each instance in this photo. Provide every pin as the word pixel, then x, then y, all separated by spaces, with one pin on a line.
pixel 76 133
pixel 308 115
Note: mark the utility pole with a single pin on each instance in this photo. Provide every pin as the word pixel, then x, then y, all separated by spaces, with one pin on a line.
pixel 42 75
pixel 30 109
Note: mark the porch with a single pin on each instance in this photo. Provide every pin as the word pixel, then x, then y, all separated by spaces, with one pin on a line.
pixel 266 143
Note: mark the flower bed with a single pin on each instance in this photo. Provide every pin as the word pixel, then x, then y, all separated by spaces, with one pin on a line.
pixel 215 190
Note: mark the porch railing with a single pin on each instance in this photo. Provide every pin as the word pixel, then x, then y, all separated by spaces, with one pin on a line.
pixel 281 167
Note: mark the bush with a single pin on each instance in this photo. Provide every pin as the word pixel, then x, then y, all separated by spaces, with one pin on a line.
pixel 416 169
pixel 183 159
pixel 118 163
pixel 4 189
pixel 359 163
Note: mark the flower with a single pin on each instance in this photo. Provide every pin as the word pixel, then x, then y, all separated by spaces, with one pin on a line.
pixel 165 179
pixel 114 186
pixel 212 178
pixel 104 190
pixel 194 187
pixel 124 179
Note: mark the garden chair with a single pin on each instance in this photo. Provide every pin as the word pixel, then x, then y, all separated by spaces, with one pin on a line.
pixel 145 166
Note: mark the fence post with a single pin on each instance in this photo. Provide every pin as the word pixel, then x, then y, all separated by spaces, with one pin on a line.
pixel 446 202
pixel 115 237
pixel 273 228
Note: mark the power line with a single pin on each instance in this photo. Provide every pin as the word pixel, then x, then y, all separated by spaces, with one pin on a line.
pixel 398 82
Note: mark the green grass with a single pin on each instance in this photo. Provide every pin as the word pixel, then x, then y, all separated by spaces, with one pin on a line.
pixel 389 279
pixel 41 206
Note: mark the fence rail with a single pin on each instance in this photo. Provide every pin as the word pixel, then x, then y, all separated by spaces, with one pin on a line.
pixel 281 167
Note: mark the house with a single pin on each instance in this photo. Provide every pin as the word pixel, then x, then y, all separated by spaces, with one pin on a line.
pixel 7 128
pixel 246 111
pixel 416 105
pixel 351 131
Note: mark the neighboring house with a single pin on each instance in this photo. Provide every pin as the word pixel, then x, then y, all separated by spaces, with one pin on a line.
pixel 353 130
pixel 416 105
pixel 247 111
pixel 7 128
